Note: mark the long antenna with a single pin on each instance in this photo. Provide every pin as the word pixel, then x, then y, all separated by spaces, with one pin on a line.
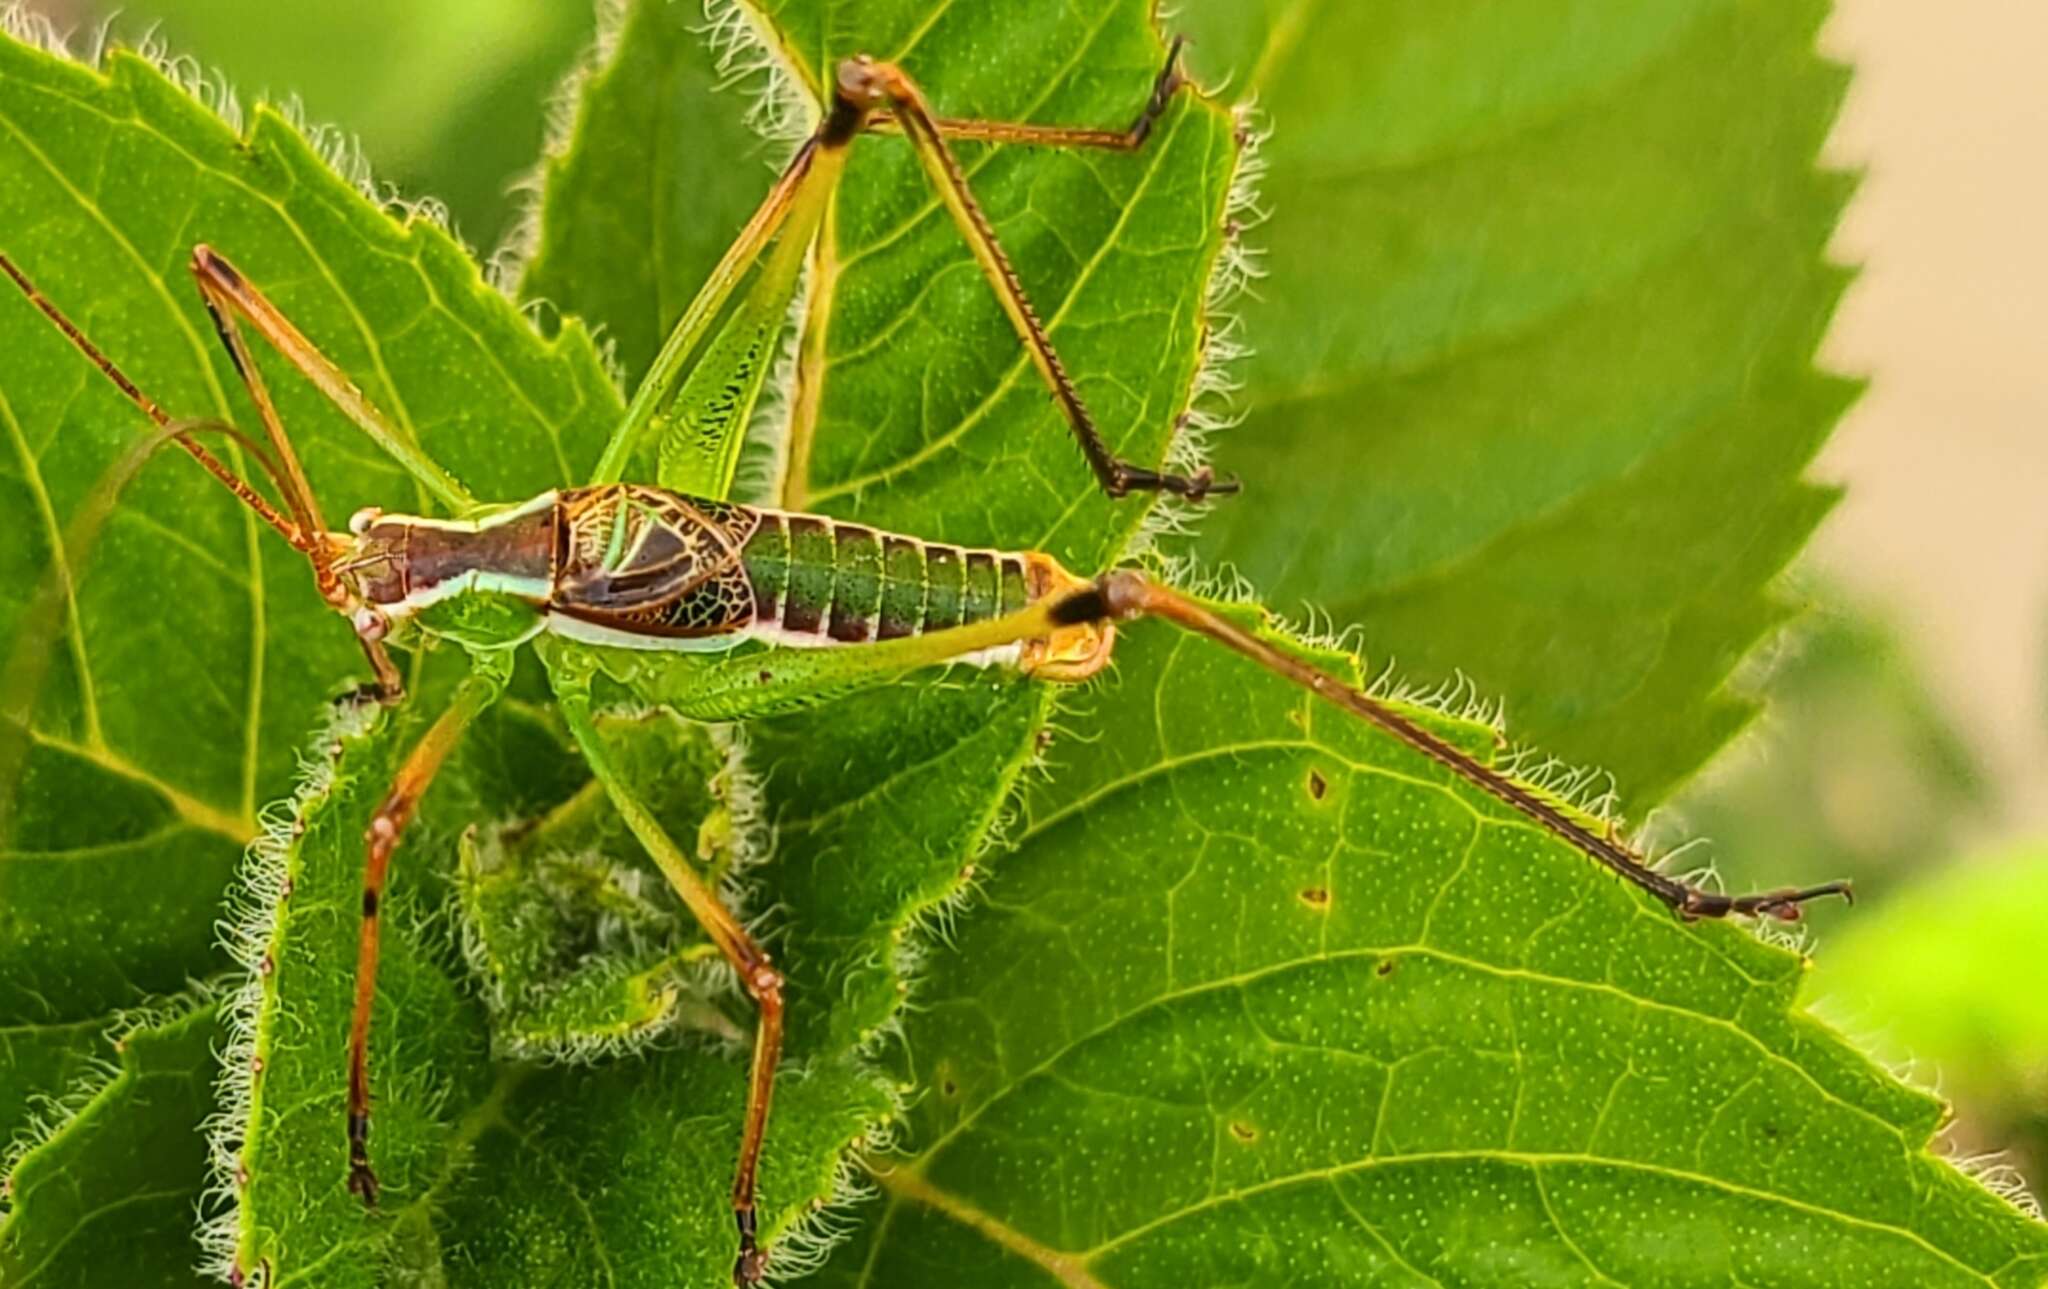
pixel 300 535
pixel 22 671
pixel 1126 594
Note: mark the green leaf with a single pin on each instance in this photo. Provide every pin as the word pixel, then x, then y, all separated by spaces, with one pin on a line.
pixel 654 178
pixel 448 98
pixel 1257 996
pixel 566 919
pixel 197 649
pixel 1185 879
pixel 454 1126
pixel 494 1169
pixel 1534 390
pixel 108 895
pixel 124 1171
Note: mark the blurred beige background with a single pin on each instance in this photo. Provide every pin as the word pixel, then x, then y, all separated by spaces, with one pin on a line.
pixel 1945 527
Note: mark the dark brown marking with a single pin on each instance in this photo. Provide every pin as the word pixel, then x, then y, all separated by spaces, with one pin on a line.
pixel 1316 897
pixel 1083 606
pixel 206 258
pixel 1318 786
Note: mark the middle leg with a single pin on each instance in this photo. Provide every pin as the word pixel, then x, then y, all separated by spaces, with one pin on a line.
pixel 381 840
pixel 749 961
pixel 872 93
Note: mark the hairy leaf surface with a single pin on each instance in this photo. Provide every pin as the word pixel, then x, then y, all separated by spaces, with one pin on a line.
pixel 127 1169
pixel 1256 996
pixel 194 651
pixel 1250 994
pixel 458 1132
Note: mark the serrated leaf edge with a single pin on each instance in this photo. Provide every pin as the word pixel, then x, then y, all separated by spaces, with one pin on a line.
pixel 338 149
pixel 249 930
pixel 779 109
pixel 50 1116
pixel 1210 406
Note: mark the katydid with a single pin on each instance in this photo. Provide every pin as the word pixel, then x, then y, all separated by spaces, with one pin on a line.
pixel 678 569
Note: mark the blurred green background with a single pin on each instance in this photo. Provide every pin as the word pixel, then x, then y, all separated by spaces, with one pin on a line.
pixel 448 100
pixel 1906 743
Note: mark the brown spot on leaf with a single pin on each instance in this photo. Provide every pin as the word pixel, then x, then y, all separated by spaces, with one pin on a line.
pixel 1386 967
pixel 1318 786
pixel 1243 1131
pixel 1316 897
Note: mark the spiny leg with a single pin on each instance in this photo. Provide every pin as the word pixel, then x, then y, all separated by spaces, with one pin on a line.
pixel 229 297
pixel 1125 594
pixel 882 96
pixel 778 680
pixel 381 838
pixel 756 973
pixel 1130 139
pixel 228 293
pixel 866 88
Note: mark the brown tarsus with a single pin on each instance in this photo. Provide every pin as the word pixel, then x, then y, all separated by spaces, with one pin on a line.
pixel 1124 594
pixel 871 95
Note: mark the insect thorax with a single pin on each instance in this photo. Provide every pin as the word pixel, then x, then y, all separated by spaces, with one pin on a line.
pixel 652 563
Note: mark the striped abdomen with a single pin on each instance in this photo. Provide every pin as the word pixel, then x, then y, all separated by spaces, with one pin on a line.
pixel 819 580
pixel 647 568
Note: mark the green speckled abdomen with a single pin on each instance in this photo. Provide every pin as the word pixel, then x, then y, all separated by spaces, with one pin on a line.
pixel 820 581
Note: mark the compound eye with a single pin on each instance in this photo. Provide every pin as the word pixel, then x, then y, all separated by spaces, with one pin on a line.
pixel 359 523
pixel 371 625
pixel 859 83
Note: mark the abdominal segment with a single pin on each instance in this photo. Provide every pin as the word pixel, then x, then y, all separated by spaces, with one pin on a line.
pixel 647 568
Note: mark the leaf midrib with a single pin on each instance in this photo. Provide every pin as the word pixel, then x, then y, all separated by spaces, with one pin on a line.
pixel 1536 1162
pixel 1046 1064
